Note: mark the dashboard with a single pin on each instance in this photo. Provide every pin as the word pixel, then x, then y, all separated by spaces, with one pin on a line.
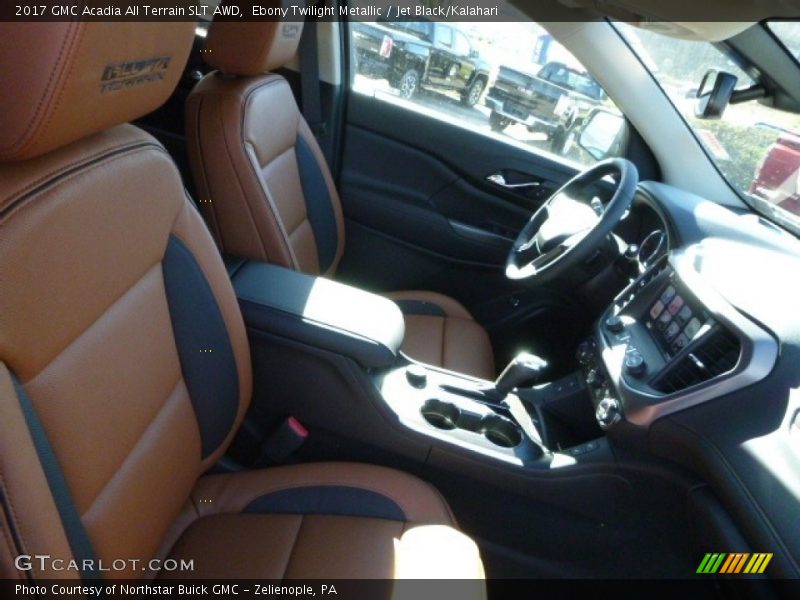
pixel 670 341
pixel 698 360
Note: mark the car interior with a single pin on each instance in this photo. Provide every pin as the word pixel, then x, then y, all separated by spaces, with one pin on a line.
pixel 258 320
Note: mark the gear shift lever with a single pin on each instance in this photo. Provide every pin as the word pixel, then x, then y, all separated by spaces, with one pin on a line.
pixel 523 368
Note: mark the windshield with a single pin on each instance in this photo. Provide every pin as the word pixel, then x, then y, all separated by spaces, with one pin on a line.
pixel 788 32
pixel 756 147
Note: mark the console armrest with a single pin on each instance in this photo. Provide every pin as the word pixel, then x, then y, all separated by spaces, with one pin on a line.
pixel 319 312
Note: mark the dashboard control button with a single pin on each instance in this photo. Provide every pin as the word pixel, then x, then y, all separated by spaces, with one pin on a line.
pixel 583 448
pixel 607 412
pixel 657 309
pixel 614 324
pixel 417 376
pixel 634 363
pixel 676 305
pixel 672 331
pixel 668 295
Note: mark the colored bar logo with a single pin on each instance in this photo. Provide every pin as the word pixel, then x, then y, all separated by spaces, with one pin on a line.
pixel 734 563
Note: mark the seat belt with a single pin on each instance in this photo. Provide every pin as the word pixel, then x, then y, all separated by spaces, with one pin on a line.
pixel 78 538
pixel 309 79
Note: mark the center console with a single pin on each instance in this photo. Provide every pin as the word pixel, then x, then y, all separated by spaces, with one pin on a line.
pixel 459 411
pixel 330 356
pixel 319 312
pixel 327 359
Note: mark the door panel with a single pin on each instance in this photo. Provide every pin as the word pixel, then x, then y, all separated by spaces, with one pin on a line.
pixel 422 182
pixel 424 208
pixel 417 218
pixel 411 195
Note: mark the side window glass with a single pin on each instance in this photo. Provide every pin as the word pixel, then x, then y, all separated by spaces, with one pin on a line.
pixel 461 44
pixel 559 77
pixel 443 35
pixel 513 83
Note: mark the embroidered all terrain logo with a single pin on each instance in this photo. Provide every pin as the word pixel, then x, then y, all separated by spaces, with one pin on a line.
pixel 734 563
pixel 126 74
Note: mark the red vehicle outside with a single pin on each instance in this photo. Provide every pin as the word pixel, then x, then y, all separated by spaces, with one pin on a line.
pixel 777 178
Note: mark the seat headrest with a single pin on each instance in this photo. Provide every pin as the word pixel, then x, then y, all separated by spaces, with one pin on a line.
pixel 64 81
pixel 253 47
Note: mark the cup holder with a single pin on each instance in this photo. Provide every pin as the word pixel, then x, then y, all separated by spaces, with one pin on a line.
pixel 496 429
pixel 501 432
pixel 441 415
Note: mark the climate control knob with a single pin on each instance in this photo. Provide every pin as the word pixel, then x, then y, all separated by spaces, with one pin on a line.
pixel 607 413
pixel 614 324
pixel 634 364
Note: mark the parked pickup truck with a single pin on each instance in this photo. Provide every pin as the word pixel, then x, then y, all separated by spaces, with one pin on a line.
pixel 553 100
pixel 420 54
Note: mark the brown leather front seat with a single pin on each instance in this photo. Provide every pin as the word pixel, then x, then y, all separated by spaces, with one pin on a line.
pixel 267 192
pixel 124 365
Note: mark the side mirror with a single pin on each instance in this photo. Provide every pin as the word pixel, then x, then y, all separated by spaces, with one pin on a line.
pixel 602 134
pixel 714 94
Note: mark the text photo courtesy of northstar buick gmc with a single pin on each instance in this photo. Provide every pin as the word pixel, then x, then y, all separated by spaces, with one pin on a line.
pixel 388 304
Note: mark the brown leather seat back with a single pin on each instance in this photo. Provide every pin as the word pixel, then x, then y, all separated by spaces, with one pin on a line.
pixel 119 331
pixel 262 180
pixel 267 193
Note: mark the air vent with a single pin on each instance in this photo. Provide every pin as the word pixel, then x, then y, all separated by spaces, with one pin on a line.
pixel 715 354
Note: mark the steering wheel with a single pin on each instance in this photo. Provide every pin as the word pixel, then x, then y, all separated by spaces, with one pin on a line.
pixel 565 231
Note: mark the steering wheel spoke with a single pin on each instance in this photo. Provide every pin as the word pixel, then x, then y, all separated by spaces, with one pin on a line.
pixel 544 260
pixel 565 230
pixel 575 239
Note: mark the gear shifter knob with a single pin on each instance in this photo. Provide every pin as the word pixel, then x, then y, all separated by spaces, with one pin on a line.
pixel 524 368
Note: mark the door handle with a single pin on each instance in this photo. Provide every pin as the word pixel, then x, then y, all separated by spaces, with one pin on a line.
pixel 500 180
